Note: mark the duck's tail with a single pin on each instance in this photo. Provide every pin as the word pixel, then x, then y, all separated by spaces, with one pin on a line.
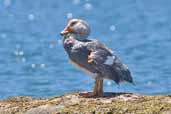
pixel 123 74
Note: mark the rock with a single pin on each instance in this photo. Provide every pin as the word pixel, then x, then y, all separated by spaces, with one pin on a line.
pixel 120 103
pixel 45 109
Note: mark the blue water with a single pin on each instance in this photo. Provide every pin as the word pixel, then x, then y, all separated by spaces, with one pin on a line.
pixel 33 61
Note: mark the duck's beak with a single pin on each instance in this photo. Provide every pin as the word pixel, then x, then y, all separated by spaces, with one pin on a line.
pixel 65 31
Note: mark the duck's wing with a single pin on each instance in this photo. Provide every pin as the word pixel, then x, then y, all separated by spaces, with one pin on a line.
pixel 106 61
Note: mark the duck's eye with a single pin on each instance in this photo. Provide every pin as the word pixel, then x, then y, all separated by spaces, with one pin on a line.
pixel 73 23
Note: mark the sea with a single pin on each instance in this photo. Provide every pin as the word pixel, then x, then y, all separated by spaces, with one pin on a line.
pixel 33 61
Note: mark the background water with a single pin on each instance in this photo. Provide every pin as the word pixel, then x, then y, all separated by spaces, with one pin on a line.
pixel 33 61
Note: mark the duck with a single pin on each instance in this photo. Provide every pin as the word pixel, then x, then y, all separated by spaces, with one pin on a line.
pixel 92 57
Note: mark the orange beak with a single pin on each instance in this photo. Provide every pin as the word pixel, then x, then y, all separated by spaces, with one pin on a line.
pixel 65 31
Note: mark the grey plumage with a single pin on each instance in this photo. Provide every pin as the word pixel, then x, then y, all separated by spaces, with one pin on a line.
pixel 105 65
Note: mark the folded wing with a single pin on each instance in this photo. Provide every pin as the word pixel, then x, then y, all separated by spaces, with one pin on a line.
pixel 105 61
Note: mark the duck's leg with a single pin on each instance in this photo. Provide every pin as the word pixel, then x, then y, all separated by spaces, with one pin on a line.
pixel 98 90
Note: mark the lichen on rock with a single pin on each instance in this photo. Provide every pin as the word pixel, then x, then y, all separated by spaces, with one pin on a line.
pixel 75 104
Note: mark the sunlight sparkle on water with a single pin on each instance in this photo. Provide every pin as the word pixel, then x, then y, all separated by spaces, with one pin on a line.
pixel 7 3
pixel 109 83
pixel 21 53
pixel 59 42
pixel 33 65
pixel 31 17
pixel 51 46
pixel 3 35
pixel 112 28
pixel 16 52
pixel 76 1
pixel 23 59
pixel 69 15
pixel 150 83
pixel 88 6
pixel 42 65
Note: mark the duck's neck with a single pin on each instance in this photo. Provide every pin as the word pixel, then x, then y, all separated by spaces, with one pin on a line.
pixel 69 41
pixel 73 37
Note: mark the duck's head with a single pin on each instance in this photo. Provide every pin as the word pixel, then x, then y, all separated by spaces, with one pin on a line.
pixel 77 27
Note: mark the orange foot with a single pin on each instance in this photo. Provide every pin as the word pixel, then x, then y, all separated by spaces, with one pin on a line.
pixel 88 95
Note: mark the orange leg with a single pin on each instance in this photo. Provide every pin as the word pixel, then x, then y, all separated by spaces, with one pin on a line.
pixel 98 90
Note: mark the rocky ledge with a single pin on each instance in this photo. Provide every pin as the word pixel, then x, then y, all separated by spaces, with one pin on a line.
pixel 74 104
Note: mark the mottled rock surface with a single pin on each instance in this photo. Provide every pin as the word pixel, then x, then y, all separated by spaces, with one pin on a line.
pixel 75 104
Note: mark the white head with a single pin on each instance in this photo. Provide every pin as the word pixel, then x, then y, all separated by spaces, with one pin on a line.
pixel 78 27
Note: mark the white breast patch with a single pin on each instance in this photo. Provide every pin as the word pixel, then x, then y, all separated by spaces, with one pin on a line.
pixel 93 75
pixel 110 60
